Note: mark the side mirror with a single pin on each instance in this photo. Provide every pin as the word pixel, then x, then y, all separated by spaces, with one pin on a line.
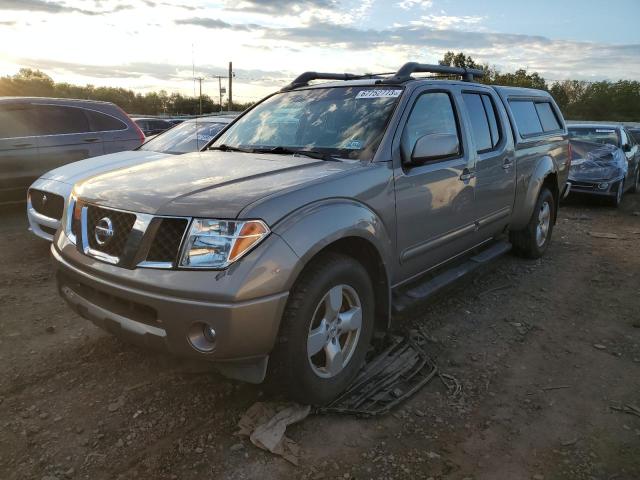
pixel 626 147
pixel 435 146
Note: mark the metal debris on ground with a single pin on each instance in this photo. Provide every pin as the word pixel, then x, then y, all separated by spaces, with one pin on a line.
pixel 399 371
pixel 265 423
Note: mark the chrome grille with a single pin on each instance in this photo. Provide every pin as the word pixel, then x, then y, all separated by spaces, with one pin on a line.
pixel 122 223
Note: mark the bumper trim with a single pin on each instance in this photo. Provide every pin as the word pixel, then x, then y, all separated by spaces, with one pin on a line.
pixel 96 311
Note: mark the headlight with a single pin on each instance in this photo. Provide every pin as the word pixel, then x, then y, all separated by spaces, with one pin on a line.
pixel 219 243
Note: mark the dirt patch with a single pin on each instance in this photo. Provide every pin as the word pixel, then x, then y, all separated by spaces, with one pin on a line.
pixel 543 350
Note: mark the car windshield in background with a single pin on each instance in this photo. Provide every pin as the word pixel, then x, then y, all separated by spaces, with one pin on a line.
pixel 344 121
pixel 186 137
pixel 604 136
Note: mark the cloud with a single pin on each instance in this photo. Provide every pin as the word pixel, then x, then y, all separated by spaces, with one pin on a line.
pixel 55 7
pixel 409 4
pixel 160 71
pixel 7 24
pixel 279 7
pixel 217 24
pixel 447 22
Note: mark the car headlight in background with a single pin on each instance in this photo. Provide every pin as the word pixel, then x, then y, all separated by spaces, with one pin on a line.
pixel 219 243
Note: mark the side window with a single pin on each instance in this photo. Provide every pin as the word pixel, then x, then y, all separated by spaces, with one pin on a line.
pixel 526 117
pixel 16 121
pixel 624 140
pixel 432 114
pixel 59 120
pixel 100 122
pixel 547 116
pixel 483 120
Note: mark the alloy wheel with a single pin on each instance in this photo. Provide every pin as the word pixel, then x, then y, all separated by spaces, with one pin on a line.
pixel 544 222
pixel 334 331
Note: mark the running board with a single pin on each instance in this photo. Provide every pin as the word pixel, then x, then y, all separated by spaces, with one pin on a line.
pixel 423 290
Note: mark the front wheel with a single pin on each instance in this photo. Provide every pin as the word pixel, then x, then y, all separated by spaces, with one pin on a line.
pixel 326 330
pixel 617 200
pixel 636 185
pixel 533 240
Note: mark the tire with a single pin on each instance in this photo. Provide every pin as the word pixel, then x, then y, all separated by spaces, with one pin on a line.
pixel 617 200
pixel 533 240
pixel 636 185
pixel 308 325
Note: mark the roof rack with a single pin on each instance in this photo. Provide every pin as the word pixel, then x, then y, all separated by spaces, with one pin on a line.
pixel 304 78
pixel 404 74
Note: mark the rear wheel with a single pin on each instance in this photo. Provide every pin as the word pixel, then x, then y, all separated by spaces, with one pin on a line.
pixel 533 240
pixel 326 330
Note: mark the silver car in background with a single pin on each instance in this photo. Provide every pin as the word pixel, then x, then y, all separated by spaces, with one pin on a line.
pixel 40 134
pixel 48 194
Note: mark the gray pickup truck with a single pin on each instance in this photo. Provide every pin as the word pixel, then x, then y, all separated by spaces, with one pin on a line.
pixel 313 218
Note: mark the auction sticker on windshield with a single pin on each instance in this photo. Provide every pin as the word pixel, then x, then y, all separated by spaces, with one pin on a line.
pixel 378 93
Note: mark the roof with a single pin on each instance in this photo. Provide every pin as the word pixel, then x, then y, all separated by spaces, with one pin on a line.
pixel 52 100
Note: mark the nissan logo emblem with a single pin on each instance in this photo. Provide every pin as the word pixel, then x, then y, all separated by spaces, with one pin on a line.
pixel 103 231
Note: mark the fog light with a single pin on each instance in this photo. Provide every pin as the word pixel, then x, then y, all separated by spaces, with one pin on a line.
pixel 603 186
pixel 209 333
pixel 202 337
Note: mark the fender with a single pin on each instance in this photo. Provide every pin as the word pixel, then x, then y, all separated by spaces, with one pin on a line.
pixel 529 189
pixel 313 227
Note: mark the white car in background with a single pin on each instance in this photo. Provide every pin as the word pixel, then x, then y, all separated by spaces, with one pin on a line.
pixel 48 195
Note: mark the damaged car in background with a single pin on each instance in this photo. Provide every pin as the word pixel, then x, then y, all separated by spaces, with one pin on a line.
pixel 606 161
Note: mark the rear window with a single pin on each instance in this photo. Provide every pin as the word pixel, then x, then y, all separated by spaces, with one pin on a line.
pixel 547 117
pixel 534 117
pixel 100 122
pixel 526 117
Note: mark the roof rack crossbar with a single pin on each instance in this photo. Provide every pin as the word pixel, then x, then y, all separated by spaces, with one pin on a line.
pixel 304 78
pixel 404 74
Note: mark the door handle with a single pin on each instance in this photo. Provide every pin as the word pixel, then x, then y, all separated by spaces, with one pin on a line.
pixel 23 145
pixel 507 164
pixel 467 175
pixel 91 140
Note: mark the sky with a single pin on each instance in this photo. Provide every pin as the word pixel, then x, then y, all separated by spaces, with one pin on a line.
pixel 149 45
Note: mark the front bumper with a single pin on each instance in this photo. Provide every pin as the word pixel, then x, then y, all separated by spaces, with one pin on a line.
pixel 592 187
pixel 158 308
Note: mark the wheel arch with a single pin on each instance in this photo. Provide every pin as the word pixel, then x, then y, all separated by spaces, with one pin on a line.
pixel 545 174
pixel 347 227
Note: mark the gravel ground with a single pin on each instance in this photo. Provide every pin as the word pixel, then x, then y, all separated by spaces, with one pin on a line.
pixel 543 349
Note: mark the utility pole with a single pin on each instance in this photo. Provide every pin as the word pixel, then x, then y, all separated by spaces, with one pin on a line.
pixel 200 79
pixel 231 75
pixel 221 89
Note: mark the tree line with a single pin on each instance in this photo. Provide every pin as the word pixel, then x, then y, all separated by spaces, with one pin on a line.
pixel 578 100
pixel 34 83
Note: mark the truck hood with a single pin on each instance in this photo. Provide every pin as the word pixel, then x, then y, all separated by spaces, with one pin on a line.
pixel 204 184
pixel 76 171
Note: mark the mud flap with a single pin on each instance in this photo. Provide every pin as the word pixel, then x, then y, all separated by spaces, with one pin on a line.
pixel 393 376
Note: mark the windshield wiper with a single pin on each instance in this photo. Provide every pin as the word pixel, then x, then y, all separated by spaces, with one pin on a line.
pixel 292 151
pixel 229 148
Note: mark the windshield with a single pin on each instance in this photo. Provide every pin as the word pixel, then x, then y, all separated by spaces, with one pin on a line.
pixel 183 138
pixel 345 121
pixel 604 136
